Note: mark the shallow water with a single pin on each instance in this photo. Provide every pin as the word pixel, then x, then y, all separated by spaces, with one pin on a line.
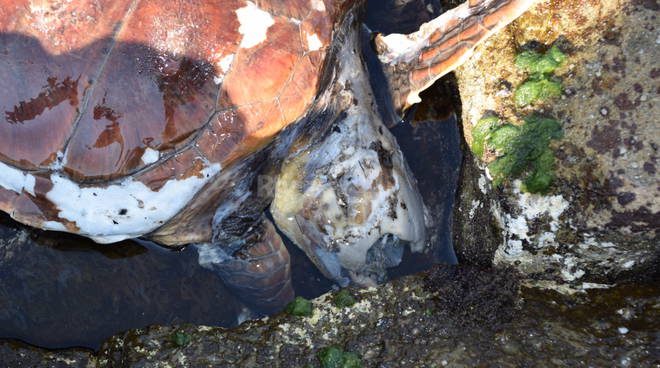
pixel 61 290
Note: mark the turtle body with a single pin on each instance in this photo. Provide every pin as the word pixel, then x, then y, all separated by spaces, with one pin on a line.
pixel 181 121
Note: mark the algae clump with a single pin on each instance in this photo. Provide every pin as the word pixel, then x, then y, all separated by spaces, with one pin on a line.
pixel 343 299
pixel 503 136
pixel 524 151
pixel 534 62
pixel 181 339
pixel 538 86
pixel 481 132
pixel 528 152
pixel 299 307
pixel 489 134
pixel 334 357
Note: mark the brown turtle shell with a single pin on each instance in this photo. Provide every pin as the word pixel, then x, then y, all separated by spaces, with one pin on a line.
pixel 97 91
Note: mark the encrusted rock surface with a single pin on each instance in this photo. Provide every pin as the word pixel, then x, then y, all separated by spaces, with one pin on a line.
pixel 456 316
pixel 599 222
pixel 17 354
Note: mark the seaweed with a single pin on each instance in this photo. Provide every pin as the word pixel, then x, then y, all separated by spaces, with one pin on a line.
pixel 299 307
pixel 526 151
pixel 335 357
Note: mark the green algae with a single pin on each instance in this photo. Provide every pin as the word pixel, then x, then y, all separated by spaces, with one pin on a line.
pixel 488 133
pixel 528 154
pixel 299 307
pixel 343 299
pixel 537 87
pixel 481 132
pixel 535 62
pixel 503 136
pixel 523 151
pixel 335 357
pixel 181 339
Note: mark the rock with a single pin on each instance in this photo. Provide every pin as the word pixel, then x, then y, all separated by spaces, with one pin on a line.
pixel 599 222
pixel 450 316
pixel 17 354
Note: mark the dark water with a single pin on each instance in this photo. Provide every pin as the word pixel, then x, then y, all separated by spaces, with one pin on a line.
pixel 61 290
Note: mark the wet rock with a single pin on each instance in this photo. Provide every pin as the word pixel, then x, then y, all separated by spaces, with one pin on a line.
pixel 599 221
pixel 450 316
pixel 18 354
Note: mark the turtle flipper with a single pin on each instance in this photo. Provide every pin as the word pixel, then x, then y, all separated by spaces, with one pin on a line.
pixel 414 61
pixel 258 272
pixel 350 202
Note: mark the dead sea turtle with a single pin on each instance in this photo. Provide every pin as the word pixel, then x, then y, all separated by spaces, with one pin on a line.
pixel 181 122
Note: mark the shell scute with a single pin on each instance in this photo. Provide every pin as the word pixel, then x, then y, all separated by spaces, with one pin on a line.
pixel 49 52
pixel 178 167
pixel 137 92
pixel 156 89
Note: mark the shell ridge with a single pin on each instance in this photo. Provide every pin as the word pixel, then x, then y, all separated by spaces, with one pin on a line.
pixel 90 91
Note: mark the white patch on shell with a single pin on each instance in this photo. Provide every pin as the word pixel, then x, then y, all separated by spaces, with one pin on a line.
pixel 474 206
pixel 60 161
pixel 254 24
pixel 313 42
pixel 223 65
pixel 150 156
pixel 53 225
pixel 318 5
pixel 569 270
pixel 16 180
pixel 546 239
pixel 124 210
pixel 516 229
pixel 483 184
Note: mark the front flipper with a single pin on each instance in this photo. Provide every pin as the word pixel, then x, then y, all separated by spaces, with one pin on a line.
pixel 258 272
pixel 414 61
pixel 350 202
